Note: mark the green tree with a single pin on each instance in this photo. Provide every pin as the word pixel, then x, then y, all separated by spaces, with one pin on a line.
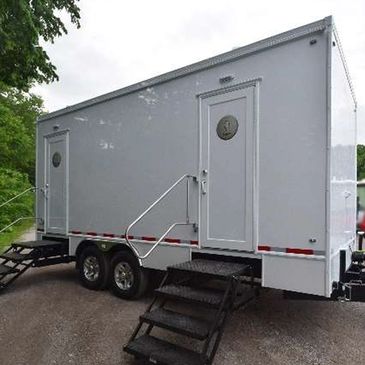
pixel 360 162
pixel 23 25
pixel 18 113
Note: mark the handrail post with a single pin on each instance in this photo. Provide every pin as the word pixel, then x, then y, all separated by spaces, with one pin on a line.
pixel 187 200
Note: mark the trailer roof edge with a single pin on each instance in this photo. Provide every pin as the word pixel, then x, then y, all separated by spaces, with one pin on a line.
pixel 344 63
pixel 229 56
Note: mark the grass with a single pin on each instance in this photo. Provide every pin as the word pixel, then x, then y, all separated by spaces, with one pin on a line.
pixel 6 238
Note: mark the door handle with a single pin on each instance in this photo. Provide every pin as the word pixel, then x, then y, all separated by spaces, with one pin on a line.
pixel 204 187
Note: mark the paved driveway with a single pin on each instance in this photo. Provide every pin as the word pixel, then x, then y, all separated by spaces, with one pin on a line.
pixel 47 318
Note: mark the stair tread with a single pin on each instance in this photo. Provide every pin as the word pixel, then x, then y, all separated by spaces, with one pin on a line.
pixel 203 296
pixel 178 322
pixel 162 352
pixel 218 269
pixel 39 244
pixel 15 256
pixel 6 270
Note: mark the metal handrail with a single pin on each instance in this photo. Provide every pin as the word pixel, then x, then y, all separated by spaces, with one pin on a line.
pixel 130 244
pixel 33 188
pixel 15 222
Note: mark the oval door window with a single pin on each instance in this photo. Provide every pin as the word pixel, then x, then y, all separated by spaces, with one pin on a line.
pixel 227 127
pixel 56 159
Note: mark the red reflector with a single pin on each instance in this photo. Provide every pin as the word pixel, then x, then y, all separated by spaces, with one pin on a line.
pixel 172 240
pixel 108 235
pixel 264 248
pixel 76 232
pixel 144 238
pixel 300 251
pixel 91 233
pixel 194 242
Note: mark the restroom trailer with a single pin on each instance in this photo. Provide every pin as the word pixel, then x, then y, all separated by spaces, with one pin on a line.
pixel 240 168
pixel 246 157
pixel 262 143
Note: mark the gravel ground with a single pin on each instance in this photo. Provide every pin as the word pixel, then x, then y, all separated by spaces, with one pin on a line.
pixel 47 318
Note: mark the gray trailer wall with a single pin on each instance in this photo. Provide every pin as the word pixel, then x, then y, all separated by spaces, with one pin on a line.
pixel 342 163
pixel 126 151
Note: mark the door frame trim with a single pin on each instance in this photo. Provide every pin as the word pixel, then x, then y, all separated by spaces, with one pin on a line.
pixel 46 137
pixel 255 84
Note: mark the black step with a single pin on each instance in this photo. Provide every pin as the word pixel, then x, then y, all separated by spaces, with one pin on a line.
pixel 6 270
pixel 39 244
pixel 208 297
pixel 15 256
pixel 53 261
pixel 161 352
pixel 215 269
pixel 177 322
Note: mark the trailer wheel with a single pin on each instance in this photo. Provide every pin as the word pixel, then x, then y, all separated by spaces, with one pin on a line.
pixel 94 268
pixel 128 280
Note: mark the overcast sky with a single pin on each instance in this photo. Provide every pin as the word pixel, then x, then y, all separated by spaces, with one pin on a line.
pixel 123 42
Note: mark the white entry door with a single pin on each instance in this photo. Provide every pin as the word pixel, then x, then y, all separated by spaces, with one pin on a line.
pixel 56 183
pixel 227 170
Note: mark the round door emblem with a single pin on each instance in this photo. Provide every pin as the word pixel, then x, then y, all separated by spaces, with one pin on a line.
pixel 227 127
pixel 56 159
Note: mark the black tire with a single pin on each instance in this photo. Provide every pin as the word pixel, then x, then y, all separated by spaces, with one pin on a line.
pixel 134 284
pixel 93 261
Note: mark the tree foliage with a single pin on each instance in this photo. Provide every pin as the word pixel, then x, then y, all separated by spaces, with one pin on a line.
pixel 23 25
pixel 360 162
pixel 18 113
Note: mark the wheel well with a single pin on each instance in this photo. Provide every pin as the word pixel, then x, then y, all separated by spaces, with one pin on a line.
pixel 87 243
pixel 120 247
pixel 82 245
